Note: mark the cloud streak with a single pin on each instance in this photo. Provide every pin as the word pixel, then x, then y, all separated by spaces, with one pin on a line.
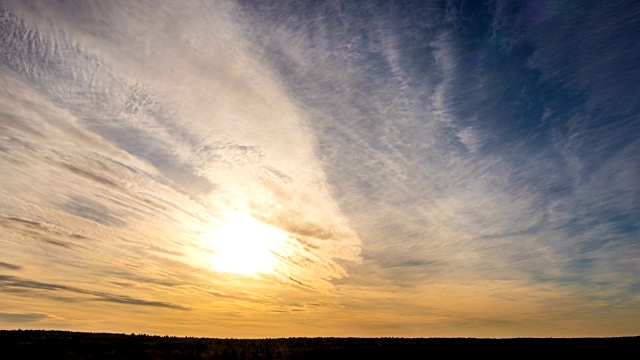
pixel 8 283
pixel 22 318
pixel 9 266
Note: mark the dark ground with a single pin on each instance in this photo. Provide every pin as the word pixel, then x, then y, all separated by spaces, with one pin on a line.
pixel 38 344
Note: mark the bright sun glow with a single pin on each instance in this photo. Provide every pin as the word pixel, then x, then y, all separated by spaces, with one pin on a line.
pixel 244 245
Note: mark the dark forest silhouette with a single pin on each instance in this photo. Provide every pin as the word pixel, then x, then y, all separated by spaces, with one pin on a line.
pixel 40 344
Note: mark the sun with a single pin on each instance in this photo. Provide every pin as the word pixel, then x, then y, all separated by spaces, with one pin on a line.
pixel 244 245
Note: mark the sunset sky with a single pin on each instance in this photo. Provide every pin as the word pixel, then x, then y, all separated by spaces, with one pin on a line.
pixel 320 168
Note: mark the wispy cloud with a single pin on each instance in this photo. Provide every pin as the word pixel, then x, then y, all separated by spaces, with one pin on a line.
pixel 9 266
pixel 10 282
pixel 22 318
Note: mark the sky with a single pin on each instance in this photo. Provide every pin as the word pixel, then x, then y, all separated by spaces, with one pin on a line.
pixel 320 168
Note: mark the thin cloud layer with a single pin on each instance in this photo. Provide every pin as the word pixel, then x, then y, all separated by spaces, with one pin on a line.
pixel 411 169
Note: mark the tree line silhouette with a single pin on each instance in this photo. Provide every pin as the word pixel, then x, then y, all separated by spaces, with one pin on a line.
pixel 43 344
